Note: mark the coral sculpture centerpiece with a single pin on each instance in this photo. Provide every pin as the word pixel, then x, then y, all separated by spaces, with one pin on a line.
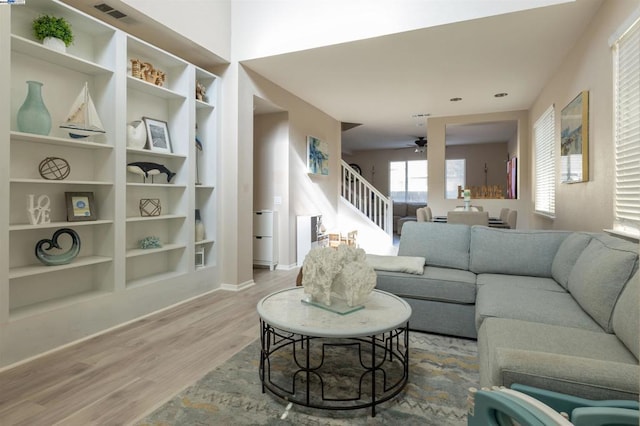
pixel 342 273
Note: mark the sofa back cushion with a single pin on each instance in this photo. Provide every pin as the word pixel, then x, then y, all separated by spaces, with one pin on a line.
pixel 412 209
pixel 514 252
pixel 399 209
pixel 441 245
pixel 567 255
pixel 599 275
pixel 626 315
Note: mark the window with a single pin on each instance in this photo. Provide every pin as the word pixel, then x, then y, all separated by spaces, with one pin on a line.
pixel 626 93
pixel 545 164
pixel 456 176
pixel 408 181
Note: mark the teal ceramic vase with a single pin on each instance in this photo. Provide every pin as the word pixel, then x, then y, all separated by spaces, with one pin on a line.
pixel 33 116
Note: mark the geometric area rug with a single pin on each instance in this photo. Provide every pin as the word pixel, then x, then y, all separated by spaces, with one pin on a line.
pixel 441 370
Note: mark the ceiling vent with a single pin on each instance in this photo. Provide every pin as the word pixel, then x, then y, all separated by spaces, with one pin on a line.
pixel 105 8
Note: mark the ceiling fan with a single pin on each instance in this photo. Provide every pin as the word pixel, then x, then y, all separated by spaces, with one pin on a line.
pixel 421 144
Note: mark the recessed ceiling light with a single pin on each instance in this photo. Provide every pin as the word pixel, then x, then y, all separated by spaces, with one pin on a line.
pixel 500 95
pixel 455 99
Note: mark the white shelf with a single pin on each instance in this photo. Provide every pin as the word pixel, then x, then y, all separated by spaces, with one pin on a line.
pixel 29 227
pixel 61 182
pixel 78 262
pixel 43 299
pixel 152 218
pixel 50 305
pixel 205 241
pixel 50 140
pixel 157 185
pixel 152 89
pixel 155 153
pixel 144 252
pixel 204 105
pixel 37 50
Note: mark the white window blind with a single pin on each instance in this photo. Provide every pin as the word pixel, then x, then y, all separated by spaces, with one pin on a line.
pixel 626 61
pixel 545 166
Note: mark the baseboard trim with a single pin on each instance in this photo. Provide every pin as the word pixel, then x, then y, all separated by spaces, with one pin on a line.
pixel 238 287
pixel 287 267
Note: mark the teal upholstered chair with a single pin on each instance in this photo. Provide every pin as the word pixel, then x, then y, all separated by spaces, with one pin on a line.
pixel 529 406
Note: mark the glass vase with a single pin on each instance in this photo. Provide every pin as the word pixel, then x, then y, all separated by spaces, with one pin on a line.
pixel 33 116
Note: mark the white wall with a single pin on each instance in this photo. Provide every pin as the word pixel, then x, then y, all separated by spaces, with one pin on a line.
pixel 271 173
pixel 477 156
pixel 587 206
pixel 205 22
pixel 307 194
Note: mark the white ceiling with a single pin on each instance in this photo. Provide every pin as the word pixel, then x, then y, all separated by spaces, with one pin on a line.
pixel 382 82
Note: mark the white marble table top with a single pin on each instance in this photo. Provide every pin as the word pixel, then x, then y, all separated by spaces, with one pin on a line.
pixel 285 310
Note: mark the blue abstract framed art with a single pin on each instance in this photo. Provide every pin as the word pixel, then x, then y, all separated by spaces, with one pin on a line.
pixel 317 156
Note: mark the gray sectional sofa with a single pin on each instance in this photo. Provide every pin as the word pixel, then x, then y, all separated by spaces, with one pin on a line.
pixel 404 212
pixel 553 309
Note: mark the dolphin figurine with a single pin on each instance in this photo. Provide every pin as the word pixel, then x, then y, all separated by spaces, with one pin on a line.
pixel 149 169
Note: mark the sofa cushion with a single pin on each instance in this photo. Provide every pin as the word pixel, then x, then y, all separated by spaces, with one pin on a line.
pixel 583 363
pixel 514 252
pixel 412 209
pixel 520 281
pixel 441 284
pixel 400 209
pixel 599 276
pixel 402 221
pixel 408 264
pixel 440 244
pixel 567 255
pixel 626 315
pixel 548 307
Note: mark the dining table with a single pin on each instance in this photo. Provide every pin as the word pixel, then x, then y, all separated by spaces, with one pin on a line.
pixel 494 222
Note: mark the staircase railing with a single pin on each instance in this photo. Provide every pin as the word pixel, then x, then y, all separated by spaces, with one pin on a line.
pixel 367 199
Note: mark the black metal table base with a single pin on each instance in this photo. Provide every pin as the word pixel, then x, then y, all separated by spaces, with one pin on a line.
pixel 334 373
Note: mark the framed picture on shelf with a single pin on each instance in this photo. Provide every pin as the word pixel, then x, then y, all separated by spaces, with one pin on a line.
pixel 80 206
pixel 157 135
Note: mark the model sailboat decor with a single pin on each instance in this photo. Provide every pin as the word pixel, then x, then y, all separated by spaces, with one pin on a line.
pixel 83 119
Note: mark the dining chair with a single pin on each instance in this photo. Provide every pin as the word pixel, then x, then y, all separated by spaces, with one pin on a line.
pixel 512 218
pixel 504 214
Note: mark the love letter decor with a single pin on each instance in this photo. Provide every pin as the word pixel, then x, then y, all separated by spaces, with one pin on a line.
pixel 40 210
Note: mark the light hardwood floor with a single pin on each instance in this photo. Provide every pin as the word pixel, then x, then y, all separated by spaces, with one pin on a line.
pixel 120 376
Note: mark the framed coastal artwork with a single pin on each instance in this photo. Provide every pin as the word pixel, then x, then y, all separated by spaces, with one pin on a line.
pixel 317 156
pixel 574 140
pixel 157 135
pixel 80 206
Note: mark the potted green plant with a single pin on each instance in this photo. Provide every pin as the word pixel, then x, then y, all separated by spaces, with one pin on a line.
pixel 53 32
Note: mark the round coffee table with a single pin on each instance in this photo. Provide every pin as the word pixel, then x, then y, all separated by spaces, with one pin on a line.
pixel 322 359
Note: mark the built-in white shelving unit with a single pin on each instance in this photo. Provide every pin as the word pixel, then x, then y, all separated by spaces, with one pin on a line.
pixel 112 280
